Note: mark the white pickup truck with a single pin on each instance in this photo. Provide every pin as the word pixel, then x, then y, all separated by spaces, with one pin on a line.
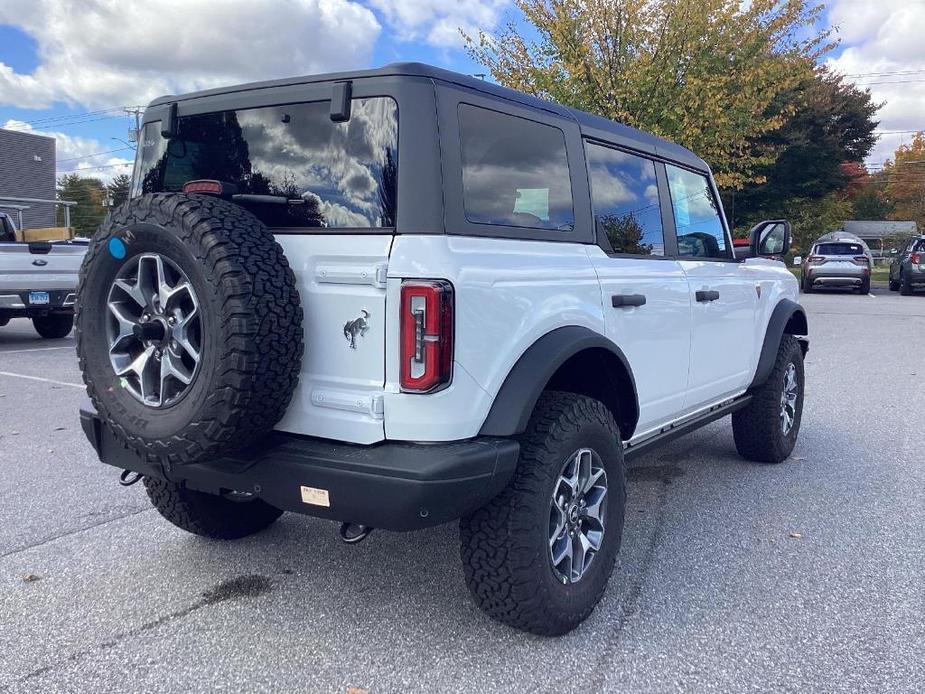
pixel 38 280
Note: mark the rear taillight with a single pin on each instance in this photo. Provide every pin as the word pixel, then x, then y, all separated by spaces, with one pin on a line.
pixel 917 258
pixel 426 326
pixel 862 260
pixel 815 260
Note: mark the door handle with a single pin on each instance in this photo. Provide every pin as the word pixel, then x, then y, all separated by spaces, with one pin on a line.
pixel 706 295
pixel 628 300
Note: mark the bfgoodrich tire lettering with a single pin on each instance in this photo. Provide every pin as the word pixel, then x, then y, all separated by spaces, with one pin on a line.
pixel 251 325
pixel 757 428
pixel 505 544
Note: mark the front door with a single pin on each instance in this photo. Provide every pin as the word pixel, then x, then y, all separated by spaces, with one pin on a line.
pixel 724 299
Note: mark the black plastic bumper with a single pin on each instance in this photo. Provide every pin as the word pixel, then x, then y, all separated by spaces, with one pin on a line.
pixel 392 485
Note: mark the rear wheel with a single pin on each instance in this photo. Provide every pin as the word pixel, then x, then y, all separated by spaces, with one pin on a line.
pixel 766 430
pixel 539 555
pixel 905 284
pixel 807 285
pixel 210 515
pixel 54 326
pixel 865 286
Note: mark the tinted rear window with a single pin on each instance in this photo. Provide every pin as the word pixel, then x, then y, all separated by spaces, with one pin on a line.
pixel 319 173
pixel 840 249
pixel 515 171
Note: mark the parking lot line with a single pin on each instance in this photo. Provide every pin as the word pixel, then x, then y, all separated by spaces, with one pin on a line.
pixel 43 380
pixel 34 349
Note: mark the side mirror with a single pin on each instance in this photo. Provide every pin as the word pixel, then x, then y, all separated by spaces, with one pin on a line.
pixel 770 239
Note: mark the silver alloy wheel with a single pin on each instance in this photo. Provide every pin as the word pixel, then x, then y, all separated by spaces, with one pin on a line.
pixel 788 399
pixel 577 515
pixel 154 330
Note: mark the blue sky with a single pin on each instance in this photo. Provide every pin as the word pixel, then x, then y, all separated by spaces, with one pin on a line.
pixel 60 59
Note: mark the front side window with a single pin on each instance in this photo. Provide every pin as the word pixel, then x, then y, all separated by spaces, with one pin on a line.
pixel 624 194
pixel 515 171
pixel 696 215
pixel 307 170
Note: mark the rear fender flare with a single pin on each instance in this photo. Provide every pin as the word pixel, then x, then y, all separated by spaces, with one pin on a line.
pixel 511 410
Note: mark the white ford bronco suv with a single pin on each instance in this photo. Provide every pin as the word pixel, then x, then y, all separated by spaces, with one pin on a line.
pixel 400 297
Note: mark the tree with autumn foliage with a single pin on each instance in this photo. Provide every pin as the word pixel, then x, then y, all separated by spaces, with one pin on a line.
pixel 706 74
pixel 904 177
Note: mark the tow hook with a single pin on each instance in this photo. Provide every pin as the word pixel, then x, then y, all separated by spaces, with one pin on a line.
pixel 352 533
pixel 129 477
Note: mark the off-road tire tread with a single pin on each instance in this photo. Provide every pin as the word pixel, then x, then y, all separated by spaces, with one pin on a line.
pixel 209 515
pixel 53 326
pixel 501 568
pixel 756 427
pixel 262 346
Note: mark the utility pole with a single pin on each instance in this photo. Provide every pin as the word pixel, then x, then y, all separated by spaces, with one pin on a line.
pixel 134 111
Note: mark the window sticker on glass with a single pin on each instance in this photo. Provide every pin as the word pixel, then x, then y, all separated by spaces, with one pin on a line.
pixel 533 201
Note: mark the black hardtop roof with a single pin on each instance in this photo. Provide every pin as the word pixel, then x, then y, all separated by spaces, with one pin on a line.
pixel 591 126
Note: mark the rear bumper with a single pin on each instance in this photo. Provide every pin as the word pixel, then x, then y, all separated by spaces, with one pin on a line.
pixel 395 486
pixel 17 303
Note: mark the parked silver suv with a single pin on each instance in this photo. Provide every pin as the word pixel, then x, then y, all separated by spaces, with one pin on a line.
pixel 837 259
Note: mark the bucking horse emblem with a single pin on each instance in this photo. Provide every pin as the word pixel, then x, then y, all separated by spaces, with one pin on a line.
pixel 357 327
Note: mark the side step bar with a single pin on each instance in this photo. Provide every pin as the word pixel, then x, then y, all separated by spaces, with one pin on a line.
pixel 673 431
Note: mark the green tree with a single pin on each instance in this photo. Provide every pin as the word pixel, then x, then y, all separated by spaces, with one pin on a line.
pixel 704 73
pixel 89 194
pixel 813 217
pixel 905 181
pixel 119 189
pixel 831 126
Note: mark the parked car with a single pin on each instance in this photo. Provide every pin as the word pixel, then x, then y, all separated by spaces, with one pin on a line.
pixel 837 259
pixel 38 280
pixel 907 271
pixel 400 297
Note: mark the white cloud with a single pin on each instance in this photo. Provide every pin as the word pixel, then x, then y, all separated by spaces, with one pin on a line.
pixel 884 37
pixel 116 52
pixel 83 155
pixel 438 21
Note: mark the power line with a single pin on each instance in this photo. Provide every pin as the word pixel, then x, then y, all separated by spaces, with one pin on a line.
pixel 95 154
pixel 92 168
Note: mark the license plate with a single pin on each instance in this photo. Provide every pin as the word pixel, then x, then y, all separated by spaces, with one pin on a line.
pixel 39 298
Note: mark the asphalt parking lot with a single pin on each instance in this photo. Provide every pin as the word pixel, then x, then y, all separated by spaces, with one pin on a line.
pixel 808 576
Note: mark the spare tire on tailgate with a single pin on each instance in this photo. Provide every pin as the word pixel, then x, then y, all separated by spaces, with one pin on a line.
pixel 189 326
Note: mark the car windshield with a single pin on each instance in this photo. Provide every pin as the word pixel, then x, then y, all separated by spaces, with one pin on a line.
pixel 840 249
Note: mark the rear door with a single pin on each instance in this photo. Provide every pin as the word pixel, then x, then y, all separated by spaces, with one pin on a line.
pixel 724 297
pixel 645 295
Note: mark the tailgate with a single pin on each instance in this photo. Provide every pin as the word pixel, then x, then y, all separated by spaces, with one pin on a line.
pixel 341 280
pixel 39 266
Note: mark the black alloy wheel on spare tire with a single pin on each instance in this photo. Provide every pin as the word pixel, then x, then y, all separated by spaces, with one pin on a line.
pixel 189 326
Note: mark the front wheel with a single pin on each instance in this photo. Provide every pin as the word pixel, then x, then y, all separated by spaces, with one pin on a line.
pixel 766 430
pixel 209 515
pixel 539 555
pixel 54 326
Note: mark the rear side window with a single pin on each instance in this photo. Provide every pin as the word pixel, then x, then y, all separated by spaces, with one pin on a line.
pixel 696 215
pixel 313 172
pixel 515 171
pixel 624 194
pixel 840 249
pixel 6 231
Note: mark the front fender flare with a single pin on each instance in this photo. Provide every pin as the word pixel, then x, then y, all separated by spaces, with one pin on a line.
pixel 510 412
pixel 786 313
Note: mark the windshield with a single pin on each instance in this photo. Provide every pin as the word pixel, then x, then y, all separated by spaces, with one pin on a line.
pixel 313 172
pixel 840 249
